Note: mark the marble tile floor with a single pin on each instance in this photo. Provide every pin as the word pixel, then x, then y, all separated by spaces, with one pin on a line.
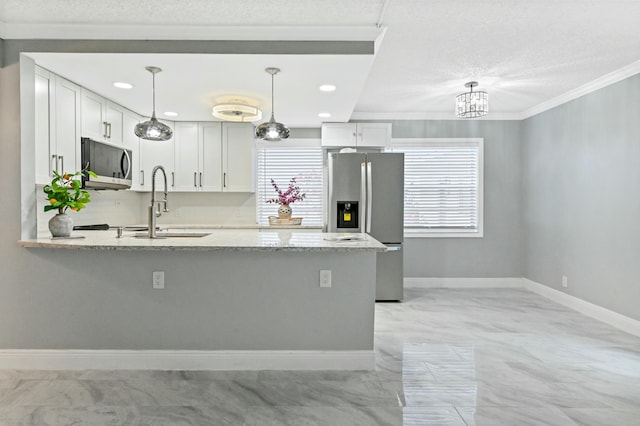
pixel 444 357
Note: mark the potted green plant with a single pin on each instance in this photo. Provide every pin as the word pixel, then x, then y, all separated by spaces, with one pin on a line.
pixel 65 192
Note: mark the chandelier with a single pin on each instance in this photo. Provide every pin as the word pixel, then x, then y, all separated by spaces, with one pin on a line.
pixel 472 104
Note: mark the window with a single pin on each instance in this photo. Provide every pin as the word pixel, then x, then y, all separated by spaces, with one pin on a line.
pixel 301 159
pixel 443 186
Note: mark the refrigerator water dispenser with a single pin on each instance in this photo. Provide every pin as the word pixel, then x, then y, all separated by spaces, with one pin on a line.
pixel 347 214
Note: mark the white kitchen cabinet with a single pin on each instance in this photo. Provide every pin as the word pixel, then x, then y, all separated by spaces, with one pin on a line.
pixel 189 167
pixel 102 120
pixel 238 171
pixel 211 151
pixel 132 142
pixel 156 153
pixel 214 157
pixel 356 134
pixel 57 125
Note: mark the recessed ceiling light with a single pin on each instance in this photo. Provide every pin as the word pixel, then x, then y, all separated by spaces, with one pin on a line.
pixel 171 114
pixel 123 85
pixel 327 88
pixel 324 115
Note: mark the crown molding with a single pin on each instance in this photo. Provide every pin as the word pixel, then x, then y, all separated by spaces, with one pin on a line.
pixel 599 83
pixel 429 116
pixel 9 30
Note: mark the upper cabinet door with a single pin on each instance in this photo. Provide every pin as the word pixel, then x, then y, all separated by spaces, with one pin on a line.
pixel 114 117
pixel 237 158
pixel 186 137
pixel 67 133
pixel 93 116
pixel 211 157
pixel 373 134
pixel 339 134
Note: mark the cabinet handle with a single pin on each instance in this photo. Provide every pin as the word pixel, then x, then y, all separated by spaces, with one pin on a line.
pixel 54 159
pixel 194 179
pixel 141 177
pixel 109 130
pixel 104 123
pixel 200 179
pixel 61 157
pixel 173 179
pixel 224 180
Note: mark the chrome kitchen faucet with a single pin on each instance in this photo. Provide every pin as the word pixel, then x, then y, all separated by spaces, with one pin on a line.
pixel 154 207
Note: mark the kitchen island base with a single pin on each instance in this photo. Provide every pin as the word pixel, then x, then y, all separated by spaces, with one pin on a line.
pixel 220 309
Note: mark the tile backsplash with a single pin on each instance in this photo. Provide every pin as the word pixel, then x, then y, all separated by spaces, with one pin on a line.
pixel 120 208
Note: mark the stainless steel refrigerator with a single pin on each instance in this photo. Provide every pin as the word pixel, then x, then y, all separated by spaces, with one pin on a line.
pixel 366 194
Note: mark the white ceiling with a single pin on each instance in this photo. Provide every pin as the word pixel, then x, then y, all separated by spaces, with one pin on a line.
pixel 191 84
pixel 524 53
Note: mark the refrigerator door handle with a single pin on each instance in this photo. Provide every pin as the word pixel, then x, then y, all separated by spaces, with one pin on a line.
pixel 363 195
pixel 369 197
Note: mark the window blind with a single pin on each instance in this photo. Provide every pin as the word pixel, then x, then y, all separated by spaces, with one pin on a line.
pixel 442 186
pixel 281 164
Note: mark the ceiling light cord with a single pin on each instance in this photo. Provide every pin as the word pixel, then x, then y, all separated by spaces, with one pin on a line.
pixel 383 12
pixel 272 96
pixel 153 97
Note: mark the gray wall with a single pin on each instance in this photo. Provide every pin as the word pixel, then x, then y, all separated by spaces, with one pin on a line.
pixel 581 182
pixel 498 253
pixel 100 299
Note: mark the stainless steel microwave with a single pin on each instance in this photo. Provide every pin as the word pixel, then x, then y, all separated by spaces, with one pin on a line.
pixel 111 163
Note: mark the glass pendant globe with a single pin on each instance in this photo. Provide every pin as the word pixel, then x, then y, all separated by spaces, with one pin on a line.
pixel 272 131
pixel 153 130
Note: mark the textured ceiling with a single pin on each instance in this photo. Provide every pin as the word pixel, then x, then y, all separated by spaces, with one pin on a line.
pixel 523 52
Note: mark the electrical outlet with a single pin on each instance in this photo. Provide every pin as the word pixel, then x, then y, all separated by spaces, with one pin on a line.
pixel 158 279
pixel 565 281
pixel 325 278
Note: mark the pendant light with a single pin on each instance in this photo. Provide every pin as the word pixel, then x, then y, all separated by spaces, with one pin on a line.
pixel 153 129
pixel 472 104
pixel 272 130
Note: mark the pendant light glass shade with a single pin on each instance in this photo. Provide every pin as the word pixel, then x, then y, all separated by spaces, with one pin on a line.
pixel 153 129
pixel 472 104
pixel 272 130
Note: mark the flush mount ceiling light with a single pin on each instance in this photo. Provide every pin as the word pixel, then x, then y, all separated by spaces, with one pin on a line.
pixel 272 130
pixel 153 129
pixel 236 112
pixel 472 104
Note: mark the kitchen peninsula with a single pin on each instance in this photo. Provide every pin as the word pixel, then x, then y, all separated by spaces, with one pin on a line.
pixel 233 299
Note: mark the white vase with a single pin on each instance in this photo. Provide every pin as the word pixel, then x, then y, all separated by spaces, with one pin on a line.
pixel 61 225
pixel 284 211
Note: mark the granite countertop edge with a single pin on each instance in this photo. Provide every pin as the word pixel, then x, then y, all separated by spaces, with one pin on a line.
pixel 241 240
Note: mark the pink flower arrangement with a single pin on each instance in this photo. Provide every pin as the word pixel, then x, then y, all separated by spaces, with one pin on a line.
pixel 289 196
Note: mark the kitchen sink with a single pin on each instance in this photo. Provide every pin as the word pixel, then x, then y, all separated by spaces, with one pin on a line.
pixel 175 235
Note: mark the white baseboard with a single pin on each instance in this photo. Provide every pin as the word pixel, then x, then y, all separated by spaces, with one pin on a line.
pixel 463 282
pixel 38 359
pixel 612 318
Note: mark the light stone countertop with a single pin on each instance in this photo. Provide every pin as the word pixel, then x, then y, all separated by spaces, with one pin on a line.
pixel 217 239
